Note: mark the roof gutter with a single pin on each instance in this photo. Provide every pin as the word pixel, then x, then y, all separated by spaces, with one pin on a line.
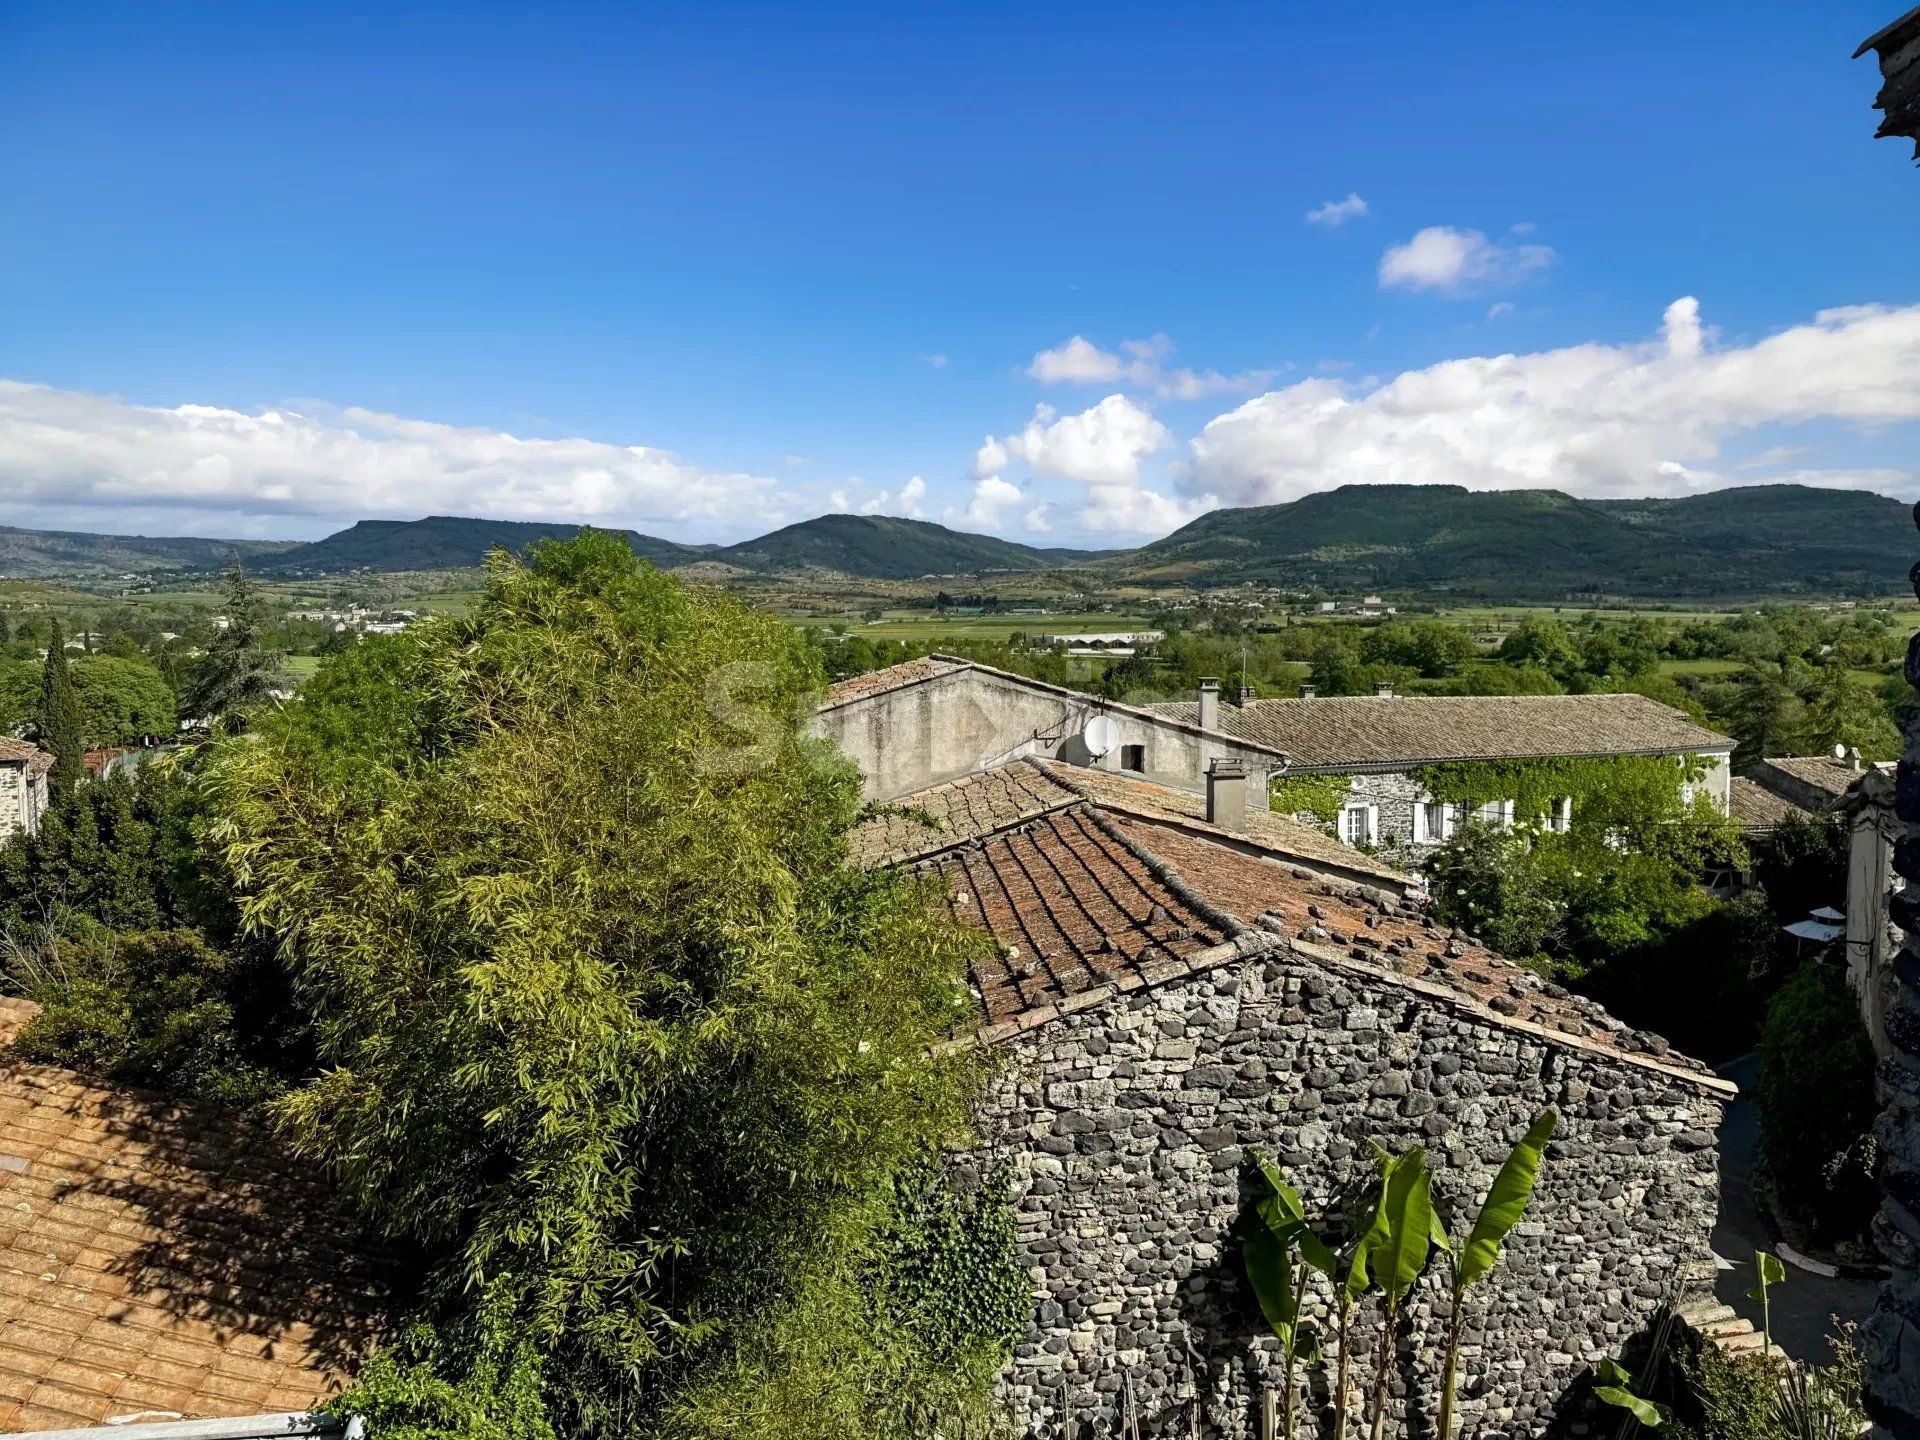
pixel 233 1427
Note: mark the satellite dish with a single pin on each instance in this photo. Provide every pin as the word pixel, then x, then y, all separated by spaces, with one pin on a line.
pixel 1100 736
pixel 1839 752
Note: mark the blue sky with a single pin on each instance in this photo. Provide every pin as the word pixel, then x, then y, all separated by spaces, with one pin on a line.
pixel 706 269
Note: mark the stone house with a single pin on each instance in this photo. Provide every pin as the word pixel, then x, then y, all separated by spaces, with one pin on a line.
pixel 1180 980
pixel 23 785
pixel 1789 787
pixel 924 721
pixel 1378 741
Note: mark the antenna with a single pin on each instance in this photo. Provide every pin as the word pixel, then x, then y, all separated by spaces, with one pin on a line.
pixel 1839 752
pixel 1100 736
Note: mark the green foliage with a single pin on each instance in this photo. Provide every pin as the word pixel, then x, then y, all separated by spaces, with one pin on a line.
pixel 1816 1104
pixel 118 855
pixel 120 700
pixel 1318 795
pixel 1620 875
pixel 1616 1388
pixel 155 1009
pixel 953 1276
pixel 603 1013
pixel 1844 710
pixel 58 723
pixel 237 674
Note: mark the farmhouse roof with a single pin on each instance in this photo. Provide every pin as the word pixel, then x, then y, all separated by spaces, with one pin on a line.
pixel 1350 731
pixel 894 677
pixel 164 1262
pixel 1821 774
pixel 1093 886
pixel 1758 809
pixel 24 752
pixel 936 667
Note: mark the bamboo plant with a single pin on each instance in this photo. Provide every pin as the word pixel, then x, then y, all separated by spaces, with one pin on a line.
pixel 1506 1202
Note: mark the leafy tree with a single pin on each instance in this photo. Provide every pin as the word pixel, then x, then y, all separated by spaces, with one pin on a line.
pixel 120 700
pixel 604 1015
pixel 238 673
pixel 1431 647
pixel 154 1009
pixel 1766 715
pixel 1542 642
pixel 1816 1104
pixel 58 723
pixel 1844 710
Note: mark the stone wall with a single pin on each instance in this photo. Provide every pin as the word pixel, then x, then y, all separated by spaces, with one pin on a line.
pixel 17 811
pixel 1126 1129
pixel 919 735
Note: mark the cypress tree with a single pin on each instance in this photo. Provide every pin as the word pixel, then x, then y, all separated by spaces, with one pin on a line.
pixel 60 724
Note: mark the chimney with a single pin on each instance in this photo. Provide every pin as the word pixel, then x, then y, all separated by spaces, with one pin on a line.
pixel 1246 695
pixel 1227 795
pixel 1383 688
pixel 1209 703
pixel 1308 689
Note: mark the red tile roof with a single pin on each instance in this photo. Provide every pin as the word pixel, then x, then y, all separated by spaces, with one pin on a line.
pixel 1072 907
pixel 15 752
pixel 159 1260
pixel 894 677
pixel 1092 886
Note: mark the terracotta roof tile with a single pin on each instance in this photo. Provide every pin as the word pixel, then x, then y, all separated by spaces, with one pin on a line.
pixel 1758 808
pixel 1072 908
pixel 956 811
pixel 14 751
pixel 1339 731
pixel 894 677
pixel 1281 833
pixel 1831 777
pixel 155 1256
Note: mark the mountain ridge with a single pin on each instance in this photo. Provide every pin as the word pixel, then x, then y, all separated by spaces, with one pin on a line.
pixel 1761 539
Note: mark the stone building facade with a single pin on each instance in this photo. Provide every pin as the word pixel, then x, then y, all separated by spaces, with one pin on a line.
pixel 1127 1127
pixel 1378 743
pixel 23 785
pixel 1168 993
pixel 926 721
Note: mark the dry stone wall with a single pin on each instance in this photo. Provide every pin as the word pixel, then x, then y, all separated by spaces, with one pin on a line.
pixel 1126 1128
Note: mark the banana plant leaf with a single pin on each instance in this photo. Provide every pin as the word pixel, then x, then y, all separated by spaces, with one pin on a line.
pixel 1507 1201
pixel 1407 1212
pixel 1281 1211
pixel 1616 1388
pixel 1270 1272
pixel 1772 1273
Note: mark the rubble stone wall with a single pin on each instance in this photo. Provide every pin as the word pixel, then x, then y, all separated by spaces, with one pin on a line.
pixel 1126 1129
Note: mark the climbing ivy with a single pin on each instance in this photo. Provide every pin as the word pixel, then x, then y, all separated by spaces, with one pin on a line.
pixel 1607 788
pixel 1319 795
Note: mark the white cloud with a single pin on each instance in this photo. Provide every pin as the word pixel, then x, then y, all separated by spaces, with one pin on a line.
pixel 1499 308
pixel 990 459
pixel 1592 419
pixel 1036 520
pixel 1101 450
pixel 987 510
pixel 1336 213
pixel 1138 364
pixel 67 452
pixel 907 503
pixel 1457 262
pixel 936 360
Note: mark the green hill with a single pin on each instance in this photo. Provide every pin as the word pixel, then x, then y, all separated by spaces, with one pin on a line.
pixel 883 547
pixel 443 542
pixel 31 554
pixel 1774 539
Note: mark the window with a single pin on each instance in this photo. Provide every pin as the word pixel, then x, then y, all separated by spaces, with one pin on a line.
pixel 1358 824
pixel 1561 817
pixel 1133 757
pixel 1434 822
pixel 1497 813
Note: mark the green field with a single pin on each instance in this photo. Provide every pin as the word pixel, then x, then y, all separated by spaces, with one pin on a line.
pixel 921 625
